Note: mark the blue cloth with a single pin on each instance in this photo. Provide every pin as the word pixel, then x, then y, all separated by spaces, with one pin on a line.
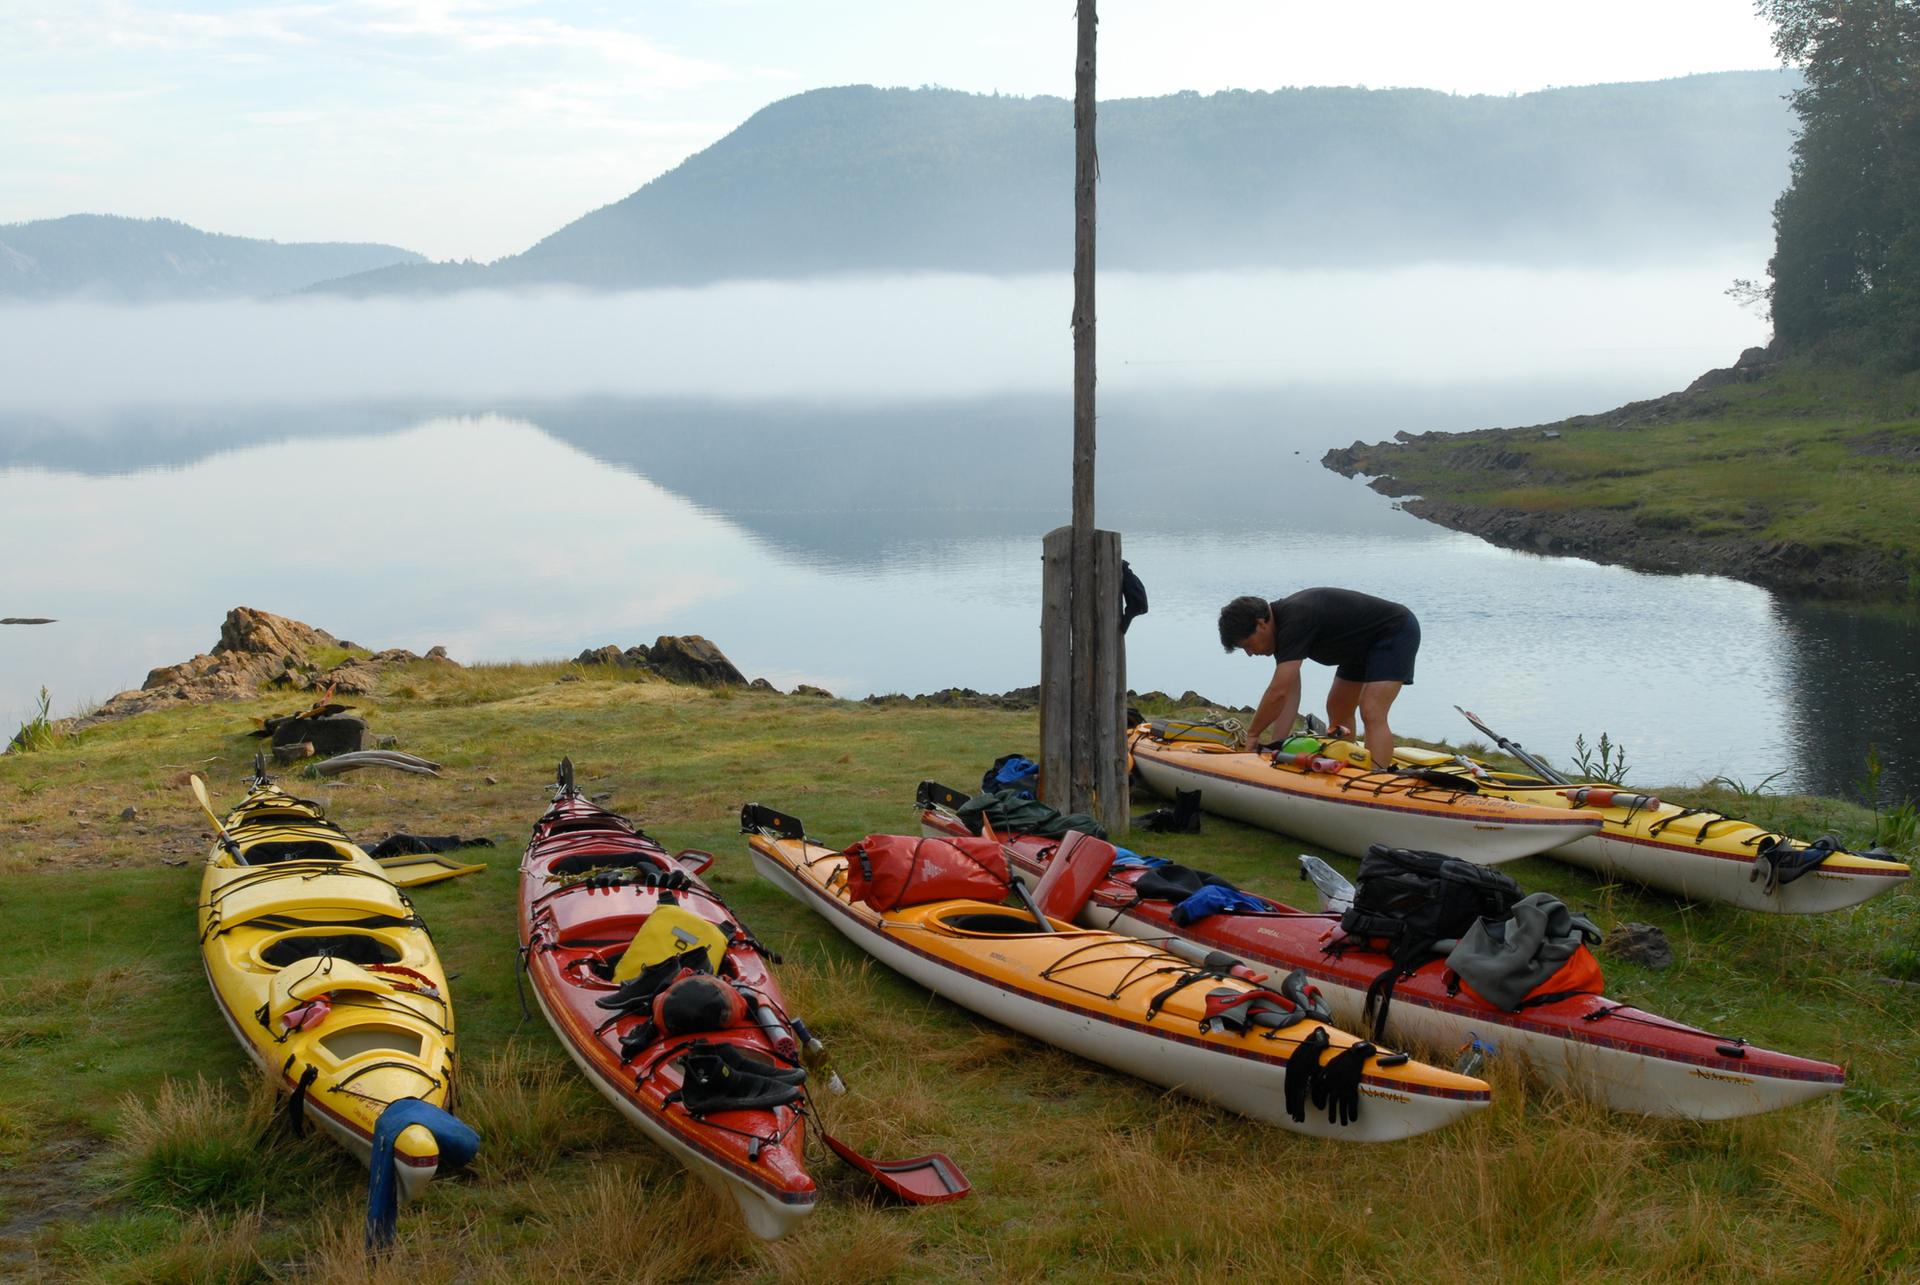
pixel 1216 899
pixel 1131 860
pixel 459 1143
pixel 1014 772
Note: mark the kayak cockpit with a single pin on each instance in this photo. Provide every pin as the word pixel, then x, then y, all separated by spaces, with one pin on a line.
pixel 1000 921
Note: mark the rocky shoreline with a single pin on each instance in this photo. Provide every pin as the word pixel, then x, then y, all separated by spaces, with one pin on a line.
pixel 259 652
pixel 1501 456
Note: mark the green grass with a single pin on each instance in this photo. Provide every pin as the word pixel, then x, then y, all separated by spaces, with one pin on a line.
pixel 1821 458
pixel 122 1092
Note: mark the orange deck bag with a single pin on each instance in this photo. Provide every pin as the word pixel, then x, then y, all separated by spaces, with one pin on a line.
pixel 888 871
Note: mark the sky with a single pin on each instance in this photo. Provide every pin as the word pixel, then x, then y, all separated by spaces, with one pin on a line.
pixel 472 128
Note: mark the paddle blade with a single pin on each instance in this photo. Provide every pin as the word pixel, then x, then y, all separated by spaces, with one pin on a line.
pixel 199 788
pixel 412 869
pixel 924 1180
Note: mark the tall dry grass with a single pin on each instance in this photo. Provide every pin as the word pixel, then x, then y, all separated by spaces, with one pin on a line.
pixel 532 1107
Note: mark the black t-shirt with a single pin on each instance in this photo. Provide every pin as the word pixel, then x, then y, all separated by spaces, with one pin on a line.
pixel 1332 626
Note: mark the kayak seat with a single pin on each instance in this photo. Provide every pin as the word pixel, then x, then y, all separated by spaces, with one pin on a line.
pixel 984 922
pixel 581 862
pixel 355 948
pixel 267 854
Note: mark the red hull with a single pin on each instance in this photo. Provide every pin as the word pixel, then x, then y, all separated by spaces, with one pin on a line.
pixel 565 927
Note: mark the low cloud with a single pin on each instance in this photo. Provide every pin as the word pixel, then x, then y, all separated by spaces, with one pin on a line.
pixel 897 337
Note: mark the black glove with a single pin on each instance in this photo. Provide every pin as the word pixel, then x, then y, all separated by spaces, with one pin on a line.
pixel 1338 1086
pixel 1303 1073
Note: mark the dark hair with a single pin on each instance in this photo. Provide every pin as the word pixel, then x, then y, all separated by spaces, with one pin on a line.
pixel 1239 618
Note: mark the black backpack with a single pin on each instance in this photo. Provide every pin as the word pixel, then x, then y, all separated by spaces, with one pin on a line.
pixel 1406 902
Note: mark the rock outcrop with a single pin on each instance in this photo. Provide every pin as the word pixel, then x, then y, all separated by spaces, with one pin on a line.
pixel 678 658
pixel 257 651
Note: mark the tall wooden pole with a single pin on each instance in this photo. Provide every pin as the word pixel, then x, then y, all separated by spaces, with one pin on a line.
pixel 1087 711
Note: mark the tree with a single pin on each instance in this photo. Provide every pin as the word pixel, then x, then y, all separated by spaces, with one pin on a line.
pixel 1846 261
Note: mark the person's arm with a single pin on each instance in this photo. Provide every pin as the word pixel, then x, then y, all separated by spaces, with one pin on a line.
pixel 1278 704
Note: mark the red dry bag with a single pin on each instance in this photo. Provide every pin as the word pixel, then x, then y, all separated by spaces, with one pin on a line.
pixel 888 871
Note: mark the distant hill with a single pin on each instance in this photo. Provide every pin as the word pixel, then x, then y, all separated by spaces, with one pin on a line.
pixel 874 180
pixel 106 256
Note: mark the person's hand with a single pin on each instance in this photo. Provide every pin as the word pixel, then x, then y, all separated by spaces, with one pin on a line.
pixel 1253 742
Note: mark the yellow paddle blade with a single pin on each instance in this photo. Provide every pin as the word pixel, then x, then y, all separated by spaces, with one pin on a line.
pixel 410 870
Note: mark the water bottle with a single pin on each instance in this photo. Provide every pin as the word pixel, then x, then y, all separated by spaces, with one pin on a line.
pixel 813 1056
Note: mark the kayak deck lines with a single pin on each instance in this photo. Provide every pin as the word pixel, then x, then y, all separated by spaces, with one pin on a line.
pixel 1009 977
pixel 1626 1056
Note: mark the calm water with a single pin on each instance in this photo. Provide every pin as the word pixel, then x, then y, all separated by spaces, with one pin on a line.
pixel 845 483
pixel 873 545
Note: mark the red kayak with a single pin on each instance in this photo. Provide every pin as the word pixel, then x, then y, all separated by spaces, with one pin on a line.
pixel 1628 1058
pixel 695 1047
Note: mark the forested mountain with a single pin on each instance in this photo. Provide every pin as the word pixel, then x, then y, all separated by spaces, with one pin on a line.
pixel 101 255
pixel 862 179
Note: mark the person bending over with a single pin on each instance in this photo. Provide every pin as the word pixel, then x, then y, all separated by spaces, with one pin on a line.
pixel 1370 641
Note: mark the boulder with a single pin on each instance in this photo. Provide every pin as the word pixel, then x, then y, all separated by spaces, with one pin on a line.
pixel 352 678
pixel 607 655
pixel 690 658
pixel 808 689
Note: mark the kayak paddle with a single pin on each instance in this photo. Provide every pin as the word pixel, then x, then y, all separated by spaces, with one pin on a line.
pixel 199 789
pixel 1515 749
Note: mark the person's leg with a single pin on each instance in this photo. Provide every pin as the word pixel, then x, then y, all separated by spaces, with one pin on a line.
pixel 1341 700
pixel 1375 699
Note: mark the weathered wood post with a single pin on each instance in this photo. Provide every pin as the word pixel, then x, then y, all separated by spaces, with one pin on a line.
pixel 1082 666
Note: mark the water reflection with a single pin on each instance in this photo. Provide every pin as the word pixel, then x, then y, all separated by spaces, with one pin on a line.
pixel 894 546
pixel 1852 683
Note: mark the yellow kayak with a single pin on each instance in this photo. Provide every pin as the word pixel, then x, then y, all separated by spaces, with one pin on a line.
pixel 1119 1001
pixel 326 975
pixel 1348 808
pixel 1695 852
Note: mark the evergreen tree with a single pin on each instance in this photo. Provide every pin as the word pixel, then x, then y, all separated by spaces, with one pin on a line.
pixel 1846 261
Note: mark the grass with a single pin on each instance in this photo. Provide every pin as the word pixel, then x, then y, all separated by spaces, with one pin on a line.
pixel 123 1095
pixel 37 733
pixel 1826 459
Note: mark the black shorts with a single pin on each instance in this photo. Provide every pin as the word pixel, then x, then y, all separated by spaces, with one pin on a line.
pixel 1389 659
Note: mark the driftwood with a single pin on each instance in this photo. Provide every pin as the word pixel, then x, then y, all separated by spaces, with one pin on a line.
pixel 293 753
pixel 375 758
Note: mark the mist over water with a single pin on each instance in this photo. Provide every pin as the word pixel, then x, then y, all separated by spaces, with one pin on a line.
pixel 886 337
pixel 845 484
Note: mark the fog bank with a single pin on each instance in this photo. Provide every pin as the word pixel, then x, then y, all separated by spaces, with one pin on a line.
pixel 888 337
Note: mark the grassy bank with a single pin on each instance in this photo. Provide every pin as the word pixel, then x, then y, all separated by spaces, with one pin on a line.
pixel 1806 480
pixel 135 1146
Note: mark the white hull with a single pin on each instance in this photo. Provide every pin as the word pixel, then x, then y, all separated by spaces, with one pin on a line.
pixel 1700 876
pixel 1253 1087
pixel 1351 827
pixel 1624 1079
